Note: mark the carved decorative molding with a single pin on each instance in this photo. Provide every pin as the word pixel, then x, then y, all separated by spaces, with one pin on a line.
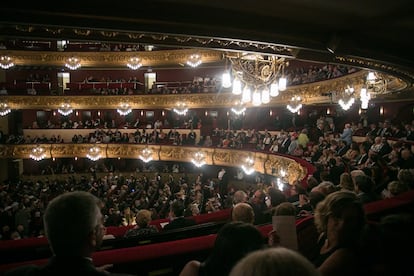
pixel 265 163
pixel 312 93
pixel 111 59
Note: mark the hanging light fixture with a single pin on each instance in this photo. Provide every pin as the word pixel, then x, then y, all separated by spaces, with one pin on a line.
pixel 134 63
pixel 146 155
pixel 194 60
pixel 124 109
pixel 73 63
pixel 38 153
pixel 4 109
pixel 238 109
pixel 295 104
pixel 94 153
pixel 181 109
pixel 65 109
pixel 248 166
pixel 264 75
pixel 198 159
pixel 348 98
pixel 6 62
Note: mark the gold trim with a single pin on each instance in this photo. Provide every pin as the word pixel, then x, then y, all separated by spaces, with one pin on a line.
pixel 265 163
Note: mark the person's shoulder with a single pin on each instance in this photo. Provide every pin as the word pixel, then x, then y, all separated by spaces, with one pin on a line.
pixel 191 268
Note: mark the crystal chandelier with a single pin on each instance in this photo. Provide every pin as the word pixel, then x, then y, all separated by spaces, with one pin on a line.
pixel 134 63
pixel 239 109
pixel 255 77
pixel 375 83
pixel 73 63
pixel 146 155
pixel 194 60
pixel 295 104
pixel 181 109
pixel 348 99
pixel 38 153
pixel 4 109
pixel 65 109
pixel 248 166
pixel 124 109
pixel 94 153
pixel 6 62
pixel 198 159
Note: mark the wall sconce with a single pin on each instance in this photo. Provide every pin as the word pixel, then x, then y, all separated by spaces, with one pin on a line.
pixel 381 110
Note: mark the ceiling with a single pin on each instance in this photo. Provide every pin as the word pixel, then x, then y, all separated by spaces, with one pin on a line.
pixel 365 34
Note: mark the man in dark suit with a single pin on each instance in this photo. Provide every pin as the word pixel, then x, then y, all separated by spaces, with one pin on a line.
pixel 74 228
pixel 177 219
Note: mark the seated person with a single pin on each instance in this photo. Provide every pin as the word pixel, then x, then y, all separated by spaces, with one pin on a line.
pixel 74 229
pixel 176 215
pixel 142 227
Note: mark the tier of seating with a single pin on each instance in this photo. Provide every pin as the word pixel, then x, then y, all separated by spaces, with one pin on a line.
pixel 168 257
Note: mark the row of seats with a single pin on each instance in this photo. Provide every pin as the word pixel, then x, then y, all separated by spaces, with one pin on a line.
pixel 168 257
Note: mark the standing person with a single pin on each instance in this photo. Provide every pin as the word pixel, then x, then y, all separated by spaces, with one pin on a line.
pixel 223 183
pixel 74 228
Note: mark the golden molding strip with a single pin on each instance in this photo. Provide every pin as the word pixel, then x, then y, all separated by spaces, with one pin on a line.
pixel 111 59
pixel 312 93
pixel 265 163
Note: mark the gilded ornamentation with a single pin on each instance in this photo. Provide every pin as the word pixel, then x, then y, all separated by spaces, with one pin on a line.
pixel 263 163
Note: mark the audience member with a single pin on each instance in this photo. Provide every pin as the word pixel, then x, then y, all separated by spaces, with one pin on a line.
pixel 234 241
pixel 142 226
pixel 277 261
pixel 74 228
pixel 176 215
pixel 243 212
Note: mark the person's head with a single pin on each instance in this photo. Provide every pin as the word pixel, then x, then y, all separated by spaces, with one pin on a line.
pixel 363 183
pixel 243 212
pixel 73 224
pixel 284 209
pixel 276 196
pixel 234 241
pixel 345 182
pixel 143 218
pixel 275 261
pixel 341 214
pixel 177 208
pixel 396 187
pixel 240 196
